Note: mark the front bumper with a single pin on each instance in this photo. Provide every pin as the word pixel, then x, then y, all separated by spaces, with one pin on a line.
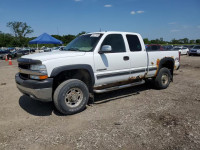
pixel 39 90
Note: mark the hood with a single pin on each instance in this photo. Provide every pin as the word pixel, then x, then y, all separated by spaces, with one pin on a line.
pixel 55 55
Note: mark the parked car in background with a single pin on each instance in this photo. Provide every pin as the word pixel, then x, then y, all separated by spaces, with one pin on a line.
pixel 194 51
pixel 23 52
pixel 154 47
pixel 9 54
pixel 47 49
pixel 168 47
pixel 191 46
pixel 59 48
pixel 188 46
pixel 3 53
pixel 32 50
pixel 10 48
pixel 182 50
pixel 44 49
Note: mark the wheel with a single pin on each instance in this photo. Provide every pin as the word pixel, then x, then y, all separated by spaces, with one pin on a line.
pixel 71 96
pixel 163 78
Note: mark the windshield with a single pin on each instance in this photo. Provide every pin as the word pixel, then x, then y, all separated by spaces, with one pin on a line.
pixel 196 47
pixel 83 43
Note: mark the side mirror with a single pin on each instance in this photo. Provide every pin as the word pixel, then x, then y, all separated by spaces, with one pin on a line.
pixel 105 49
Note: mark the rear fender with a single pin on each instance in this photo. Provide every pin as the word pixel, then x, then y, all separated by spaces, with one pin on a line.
pixel 167 62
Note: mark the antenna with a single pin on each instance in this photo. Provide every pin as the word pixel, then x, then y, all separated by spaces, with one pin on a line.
pixel 100 30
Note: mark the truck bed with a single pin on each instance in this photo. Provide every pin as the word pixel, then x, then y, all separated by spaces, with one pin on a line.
pixel 154 58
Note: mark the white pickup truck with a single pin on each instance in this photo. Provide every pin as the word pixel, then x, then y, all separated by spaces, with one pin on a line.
pixel 94 62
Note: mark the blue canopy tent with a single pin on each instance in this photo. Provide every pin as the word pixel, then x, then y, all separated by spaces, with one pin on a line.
pixel 45 39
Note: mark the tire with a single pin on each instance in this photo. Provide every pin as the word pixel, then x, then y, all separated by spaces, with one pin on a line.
pixel 163 78
pixel 68 103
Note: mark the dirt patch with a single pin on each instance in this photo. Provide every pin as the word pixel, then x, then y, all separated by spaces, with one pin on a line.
pixel 133 118
pixel 3 83
pixel 166 120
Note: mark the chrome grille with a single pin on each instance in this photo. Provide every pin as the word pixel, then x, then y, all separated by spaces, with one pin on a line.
pixel 24 66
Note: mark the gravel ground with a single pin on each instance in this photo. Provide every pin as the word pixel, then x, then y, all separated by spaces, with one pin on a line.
pixel 133 118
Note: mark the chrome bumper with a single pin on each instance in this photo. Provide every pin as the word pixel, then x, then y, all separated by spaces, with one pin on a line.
pixel 37 94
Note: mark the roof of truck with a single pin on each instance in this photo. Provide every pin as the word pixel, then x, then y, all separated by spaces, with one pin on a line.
pixel 103 32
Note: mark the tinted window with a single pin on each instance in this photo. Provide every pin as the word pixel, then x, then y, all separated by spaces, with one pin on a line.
pixel 148 48
pixel 177 48
pixel 116 41
pixel 154 47
pixel 196 47
pixel 134 43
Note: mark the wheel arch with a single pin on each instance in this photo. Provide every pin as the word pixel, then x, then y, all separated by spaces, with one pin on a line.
pixel 167 62
pixel 82 72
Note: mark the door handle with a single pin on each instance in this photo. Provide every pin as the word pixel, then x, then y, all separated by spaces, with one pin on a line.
pixel 126 58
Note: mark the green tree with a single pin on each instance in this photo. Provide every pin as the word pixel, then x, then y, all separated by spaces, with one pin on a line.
pixel 180 41
pixel 198 41
pixel 83 32
pixel 192 41
pixel 6 39
pixel 68 38
pixel 146 40
pixel 174 41
pixel 186 40
pixel 156 41
pixel 20 30
pixel 58 37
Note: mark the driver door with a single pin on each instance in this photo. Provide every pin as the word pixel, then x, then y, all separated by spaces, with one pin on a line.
pixel 113 66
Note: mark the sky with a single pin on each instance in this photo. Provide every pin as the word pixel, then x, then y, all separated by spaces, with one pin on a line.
pixel 153 19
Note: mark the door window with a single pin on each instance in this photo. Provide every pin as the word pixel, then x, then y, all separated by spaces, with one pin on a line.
pixel 116 41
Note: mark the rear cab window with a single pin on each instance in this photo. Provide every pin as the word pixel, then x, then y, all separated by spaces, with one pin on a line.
pixel 134 43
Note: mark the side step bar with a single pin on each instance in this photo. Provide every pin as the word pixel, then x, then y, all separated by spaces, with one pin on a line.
pixel 119 87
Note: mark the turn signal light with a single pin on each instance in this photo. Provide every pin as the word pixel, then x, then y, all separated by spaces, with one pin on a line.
pixel 35 77
pixel 43 77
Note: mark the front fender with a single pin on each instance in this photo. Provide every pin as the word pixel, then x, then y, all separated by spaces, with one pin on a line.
pixel 60 69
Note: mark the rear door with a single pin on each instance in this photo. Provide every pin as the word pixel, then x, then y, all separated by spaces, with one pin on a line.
pixel 138 56
pixel 114 66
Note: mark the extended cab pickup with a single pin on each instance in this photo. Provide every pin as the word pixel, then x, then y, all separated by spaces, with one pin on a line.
pixel 94 62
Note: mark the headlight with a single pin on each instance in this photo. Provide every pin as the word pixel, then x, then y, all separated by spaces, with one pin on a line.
pixel 39 68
